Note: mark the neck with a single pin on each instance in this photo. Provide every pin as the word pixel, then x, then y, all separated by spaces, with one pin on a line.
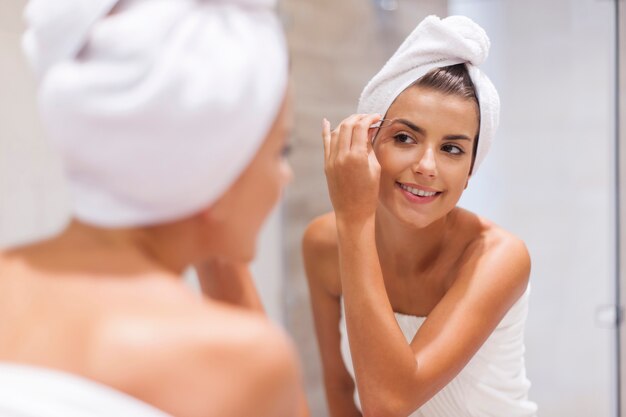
pixel 162 247
pixel 406 249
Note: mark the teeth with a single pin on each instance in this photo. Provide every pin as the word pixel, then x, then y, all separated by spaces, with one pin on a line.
pixel 417 192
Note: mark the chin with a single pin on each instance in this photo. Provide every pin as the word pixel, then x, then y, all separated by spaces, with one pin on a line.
pixel 418 223
pixel 410 218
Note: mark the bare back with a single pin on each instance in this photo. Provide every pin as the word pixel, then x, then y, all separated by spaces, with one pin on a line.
pixel 140 331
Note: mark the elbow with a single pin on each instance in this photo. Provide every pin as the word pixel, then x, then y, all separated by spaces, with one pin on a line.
pixel 393 402
pixel 385 406
pixel 380 411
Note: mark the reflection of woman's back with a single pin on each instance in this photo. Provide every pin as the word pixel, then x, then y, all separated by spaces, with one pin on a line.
pixel 96 321
pixel 419 305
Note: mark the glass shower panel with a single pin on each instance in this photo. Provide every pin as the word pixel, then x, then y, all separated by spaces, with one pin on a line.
pixel 550 179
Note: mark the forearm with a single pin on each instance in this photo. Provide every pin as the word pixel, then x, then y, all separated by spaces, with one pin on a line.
pixel 229 283
pixel 384 363
pixel 341 402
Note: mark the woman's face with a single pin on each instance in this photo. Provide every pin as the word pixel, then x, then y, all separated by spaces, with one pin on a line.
pixel 425 154
pixel 238 215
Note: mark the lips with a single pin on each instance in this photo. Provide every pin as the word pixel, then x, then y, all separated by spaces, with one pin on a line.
pixel 415 195
pixel 418 192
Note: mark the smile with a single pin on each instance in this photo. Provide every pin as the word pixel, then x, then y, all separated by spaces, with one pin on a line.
pixel 418 192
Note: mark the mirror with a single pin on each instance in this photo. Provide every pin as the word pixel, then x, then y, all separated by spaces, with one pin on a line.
pixel 549 178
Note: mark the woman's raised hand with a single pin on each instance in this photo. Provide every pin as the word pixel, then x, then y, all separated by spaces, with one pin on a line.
pixel 352 170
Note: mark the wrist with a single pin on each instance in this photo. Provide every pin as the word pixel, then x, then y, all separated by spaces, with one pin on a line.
pixel 351 226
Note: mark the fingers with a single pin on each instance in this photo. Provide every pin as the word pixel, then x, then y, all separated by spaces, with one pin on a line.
pixel 326 138
pixel 345 133
pixel 353 133
pixel 361 133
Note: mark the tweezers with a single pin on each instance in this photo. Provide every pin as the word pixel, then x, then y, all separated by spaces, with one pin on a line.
pixel 378 125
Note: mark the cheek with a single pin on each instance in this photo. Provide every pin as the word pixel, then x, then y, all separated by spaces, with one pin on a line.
pixel 259 196
pixel 393 161
pixel 269 188
pixel 456 178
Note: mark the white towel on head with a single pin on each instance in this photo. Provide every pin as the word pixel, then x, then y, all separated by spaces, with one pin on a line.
pixel 157 107
pixel 437 43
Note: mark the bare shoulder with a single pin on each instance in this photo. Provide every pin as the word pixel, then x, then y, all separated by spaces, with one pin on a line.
pixel 320 236
pixel 204 358
pixel 504 255
pixel 320 252
pixel 150 336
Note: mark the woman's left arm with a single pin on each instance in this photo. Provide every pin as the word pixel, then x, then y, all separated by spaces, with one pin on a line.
pixel 394 377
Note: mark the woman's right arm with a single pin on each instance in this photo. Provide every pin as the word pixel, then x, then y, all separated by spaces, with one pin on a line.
pixel 321 265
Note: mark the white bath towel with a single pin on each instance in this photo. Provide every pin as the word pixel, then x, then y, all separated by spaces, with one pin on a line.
pixel 433 44
pixel 28 391
pixel 492 384
pixel 157 106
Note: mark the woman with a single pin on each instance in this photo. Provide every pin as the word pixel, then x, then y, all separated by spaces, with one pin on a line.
pixel 419 305
pixel 172 127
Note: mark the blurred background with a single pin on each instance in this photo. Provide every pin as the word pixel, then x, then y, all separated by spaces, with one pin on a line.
pixel 553 175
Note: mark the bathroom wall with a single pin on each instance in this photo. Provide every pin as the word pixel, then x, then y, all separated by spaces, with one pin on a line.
pixel 550 179
pixel 33 199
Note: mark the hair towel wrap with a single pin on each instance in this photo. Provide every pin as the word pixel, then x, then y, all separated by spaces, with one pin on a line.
pixel 433 44
pixel 156 106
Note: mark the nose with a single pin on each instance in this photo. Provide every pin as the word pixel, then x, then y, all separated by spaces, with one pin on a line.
pixel 426 164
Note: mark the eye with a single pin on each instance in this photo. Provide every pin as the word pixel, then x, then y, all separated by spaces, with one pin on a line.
pixel 453 149
pixel 403 138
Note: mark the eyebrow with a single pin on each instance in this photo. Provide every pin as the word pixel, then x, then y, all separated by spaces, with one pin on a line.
pixel 420 130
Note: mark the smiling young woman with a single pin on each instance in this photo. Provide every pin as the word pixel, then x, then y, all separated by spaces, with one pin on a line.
pixel 419 305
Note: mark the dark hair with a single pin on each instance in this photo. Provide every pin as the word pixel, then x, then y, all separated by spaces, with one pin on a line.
pixel 453 80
